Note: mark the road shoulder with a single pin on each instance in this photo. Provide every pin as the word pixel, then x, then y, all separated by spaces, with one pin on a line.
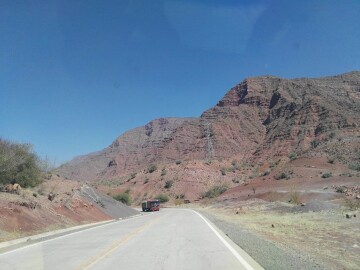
pixel 245 259
pixel 266 253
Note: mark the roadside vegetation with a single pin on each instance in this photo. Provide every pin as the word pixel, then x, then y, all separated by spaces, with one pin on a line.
pixel 168 184
pixel 326 175
pixel 19 164
pixel 215 191
pixel 293 156
pixel 354 166
pixel 351 204
pixel 283 175
pixel 329 231
pixel 294 197
pixel 132 176
pixel 123 197
pixel 162 198
pixel 152 168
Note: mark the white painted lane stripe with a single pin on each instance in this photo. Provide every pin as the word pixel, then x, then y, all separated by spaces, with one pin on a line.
pixel 233 251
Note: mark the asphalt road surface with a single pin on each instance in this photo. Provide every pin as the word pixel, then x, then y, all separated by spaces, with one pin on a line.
pixel 169 239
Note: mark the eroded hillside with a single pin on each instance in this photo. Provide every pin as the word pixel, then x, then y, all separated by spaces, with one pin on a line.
pixel 262 120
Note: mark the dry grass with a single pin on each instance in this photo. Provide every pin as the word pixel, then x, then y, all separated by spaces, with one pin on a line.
pixel 178 202
pixel 16 234
pixel 328 236
pixel 7 236
pixel 295 197
pixel 352 204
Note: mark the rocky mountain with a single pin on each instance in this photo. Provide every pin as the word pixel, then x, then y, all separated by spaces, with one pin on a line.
pixel 261 118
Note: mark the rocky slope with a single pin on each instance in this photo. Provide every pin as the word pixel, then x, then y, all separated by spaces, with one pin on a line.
pixel 260 124
pixel 260 118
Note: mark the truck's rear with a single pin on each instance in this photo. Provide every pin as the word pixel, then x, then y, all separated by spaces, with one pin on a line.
pixel 151 205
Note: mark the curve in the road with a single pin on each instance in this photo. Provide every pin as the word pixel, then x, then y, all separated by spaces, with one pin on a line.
pixel 171 239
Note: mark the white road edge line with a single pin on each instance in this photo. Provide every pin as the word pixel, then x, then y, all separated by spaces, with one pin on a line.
pixel 69 234
pixel 233 251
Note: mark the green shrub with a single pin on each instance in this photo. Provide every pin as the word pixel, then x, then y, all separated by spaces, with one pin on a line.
pixel 223 171
pixel 215 191
pixel 326 175
pixel 341 189
pixel 319 129
pixel 146 180
pixel 355 166
pixel 162 198
pixel 283 175
pixel 168 184
pixel 293 156
pixel 235 180
pixel 357 153
pixel 178 162
pixel 19 164
pixel 163 172
pixel 152 168
pixel 314 143
pixel 123 197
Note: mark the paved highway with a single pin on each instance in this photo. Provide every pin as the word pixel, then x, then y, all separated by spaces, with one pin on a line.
pixel 169 239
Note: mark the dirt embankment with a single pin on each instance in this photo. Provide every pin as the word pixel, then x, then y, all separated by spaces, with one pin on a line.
pixel 33 211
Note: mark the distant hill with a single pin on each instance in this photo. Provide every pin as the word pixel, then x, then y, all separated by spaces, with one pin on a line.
pixel 260 119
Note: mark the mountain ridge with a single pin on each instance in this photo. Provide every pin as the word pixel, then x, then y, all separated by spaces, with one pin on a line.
pixel 259 118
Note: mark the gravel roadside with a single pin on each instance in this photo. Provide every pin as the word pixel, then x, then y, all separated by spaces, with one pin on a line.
pixel 266 253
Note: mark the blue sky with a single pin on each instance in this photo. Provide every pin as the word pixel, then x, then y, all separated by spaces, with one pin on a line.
pixel 74 75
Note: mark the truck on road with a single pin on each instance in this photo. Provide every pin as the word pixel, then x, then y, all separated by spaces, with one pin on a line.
pixel 151 205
